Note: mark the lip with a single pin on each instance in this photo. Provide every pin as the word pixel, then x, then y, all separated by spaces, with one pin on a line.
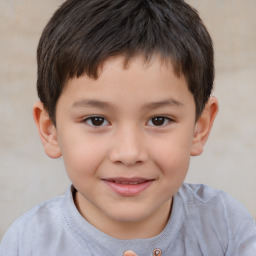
pixel 128 187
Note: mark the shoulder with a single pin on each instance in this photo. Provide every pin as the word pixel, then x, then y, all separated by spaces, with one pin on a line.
pixel 216 214
pixel 48 210
pixel 200 197
pixel 37 222
pixel 198 193
pixel 205 196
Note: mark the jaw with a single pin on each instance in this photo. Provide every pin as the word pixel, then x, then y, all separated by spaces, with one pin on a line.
pixel 125 216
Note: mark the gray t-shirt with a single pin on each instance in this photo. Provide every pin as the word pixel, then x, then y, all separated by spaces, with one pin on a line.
pixel 203 221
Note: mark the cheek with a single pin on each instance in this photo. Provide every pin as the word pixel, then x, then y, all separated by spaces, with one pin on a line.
pixel 172 156
pixel 174 168
pixel 82 156
pixel 175 164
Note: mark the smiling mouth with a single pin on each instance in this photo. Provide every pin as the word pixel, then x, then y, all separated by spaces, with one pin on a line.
pixel 128 186
pixel 128 181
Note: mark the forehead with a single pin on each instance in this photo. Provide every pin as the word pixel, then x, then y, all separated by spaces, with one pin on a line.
pixel 125 60
pixel 150 81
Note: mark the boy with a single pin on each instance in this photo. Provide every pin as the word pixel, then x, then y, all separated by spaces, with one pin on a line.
pixel 124 90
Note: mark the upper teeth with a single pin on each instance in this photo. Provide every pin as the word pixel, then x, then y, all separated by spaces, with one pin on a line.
pixel 127 182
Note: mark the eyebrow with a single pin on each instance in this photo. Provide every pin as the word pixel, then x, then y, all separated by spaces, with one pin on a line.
pixel 91 103
pixel 163 103
pixel 104 104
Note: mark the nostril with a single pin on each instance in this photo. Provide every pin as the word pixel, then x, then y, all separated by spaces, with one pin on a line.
pixel 128 149
pixel 128 158
pixel 128 163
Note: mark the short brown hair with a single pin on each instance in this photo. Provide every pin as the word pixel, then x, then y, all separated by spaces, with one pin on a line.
pixel 83 33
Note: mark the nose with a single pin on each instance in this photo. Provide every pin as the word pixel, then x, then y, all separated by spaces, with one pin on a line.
pixel 128 148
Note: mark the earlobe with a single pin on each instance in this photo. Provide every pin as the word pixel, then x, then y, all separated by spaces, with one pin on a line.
pixel 203 126
pixel 47 130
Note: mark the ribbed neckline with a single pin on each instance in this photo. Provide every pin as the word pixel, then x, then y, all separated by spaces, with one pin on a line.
pixel 92 236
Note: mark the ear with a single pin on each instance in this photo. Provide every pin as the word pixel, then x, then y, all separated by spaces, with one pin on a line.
pixel 47 130
pixel 203 126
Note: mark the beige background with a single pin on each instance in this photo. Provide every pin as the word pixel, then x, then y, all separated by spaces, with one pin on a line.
pixel 27 176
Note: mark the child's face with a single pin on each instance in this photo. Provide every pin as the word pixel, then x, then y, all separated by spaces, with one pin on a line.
pixel 126 140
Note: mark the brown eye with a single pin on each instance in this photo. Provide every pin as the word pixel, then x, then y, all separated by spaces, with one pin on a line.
pixel 159 121
pixel 96 121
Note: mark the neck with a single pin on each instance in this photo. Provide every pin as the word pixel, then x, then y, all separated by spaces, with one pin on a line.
pixel 149 227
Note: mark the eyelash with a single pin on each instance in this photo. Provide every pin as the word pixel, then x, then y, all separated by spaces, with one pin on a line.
pixel 103 121
pixel 164 120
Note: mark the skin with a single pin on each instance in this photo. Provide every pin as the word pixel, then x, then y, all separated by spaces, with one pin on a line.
pixel 145 132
